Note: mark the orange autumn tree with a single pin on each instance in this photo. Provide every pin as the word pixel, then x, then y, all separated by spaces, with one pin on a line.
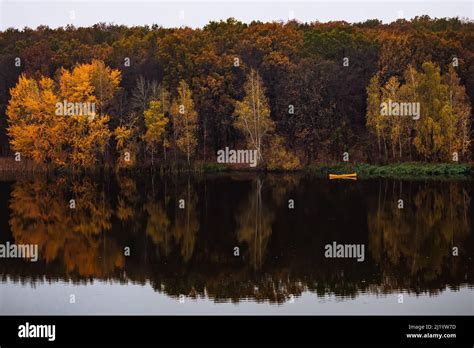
pixel 48 122
pixel 34 129
pixel 95 84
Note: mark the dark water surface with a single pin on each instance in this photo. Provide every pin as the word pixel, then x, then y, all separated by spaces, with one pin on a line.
pixel 183 261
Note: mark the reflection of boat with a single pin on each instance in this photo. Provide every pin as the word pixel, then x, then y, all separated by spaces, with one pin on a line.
pixel 352 176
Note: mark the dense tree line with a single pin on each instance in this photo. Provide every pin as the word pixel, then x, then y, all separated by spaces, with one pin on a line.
pixel 183 93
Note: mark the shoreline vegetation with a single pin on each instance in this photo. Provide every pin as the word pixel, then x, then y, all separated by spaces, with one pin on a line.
pixel 405 170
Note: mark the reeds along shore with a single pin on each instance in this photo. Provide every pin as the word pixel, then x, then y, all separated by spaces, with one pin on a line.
pixel 11 169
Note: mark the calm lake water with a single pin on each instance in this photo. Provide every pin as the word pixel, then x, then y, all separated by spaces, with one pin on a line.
pixel 130 247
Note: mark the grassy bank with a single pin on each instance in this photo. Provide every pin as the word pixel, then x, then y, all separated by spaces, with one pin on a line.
pixel 396 170
pixel 28 166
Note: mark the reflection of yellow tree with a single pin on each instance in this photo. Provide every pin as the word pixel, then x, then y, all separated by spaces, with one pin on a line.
pixel 420 236
pixel 186 224
pixel 255 224
pixel 127 198
pixel 158 224
pixel 281 185
pixel 92 214
pixel 41 215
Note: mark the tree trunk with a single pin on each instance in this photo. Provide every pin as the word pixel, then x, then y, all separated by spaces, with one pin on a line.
pixel 400 146
pixel 204 142
pixel 164 150
pixel 380 145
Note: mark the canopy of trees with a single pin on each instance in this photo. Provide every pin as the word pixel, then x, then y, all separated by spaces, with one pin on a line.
pixel 312 91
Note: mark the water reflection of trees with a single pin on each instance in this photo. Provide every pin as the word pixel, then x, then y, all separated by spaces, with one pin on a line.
pixel 168 224
pixel 416 243
pixel 256 214
pixel 190 251
pixel 254 220
pixel 41 214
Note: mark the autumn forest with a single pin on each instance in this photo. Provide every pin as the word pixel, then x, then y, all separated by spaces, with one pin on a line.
pixel 297 94
pixel 206 170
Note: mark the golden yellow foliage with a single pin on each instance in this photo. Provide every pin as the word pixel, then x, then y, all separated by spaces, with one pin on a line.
pixel 155 123
pixel 279 157
pixel 126 146
pixel 185 120
pixel 252 114
pixel 38 131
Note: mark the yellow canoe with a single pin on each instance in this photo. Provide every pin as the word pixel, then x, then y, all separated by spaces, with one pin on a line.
pixel 352 176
